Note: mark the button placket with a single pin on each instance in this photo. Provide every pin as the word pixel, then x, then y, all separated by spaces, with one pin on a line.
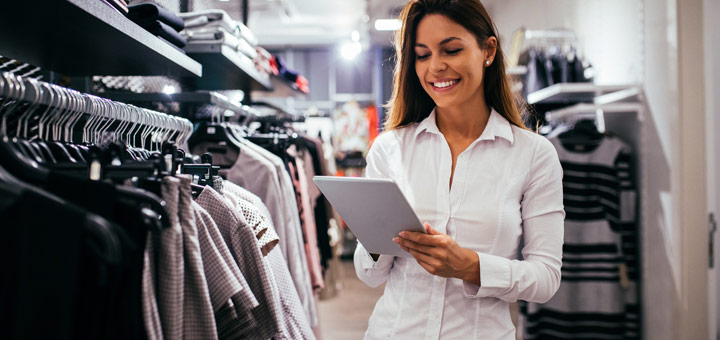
pixel 437 303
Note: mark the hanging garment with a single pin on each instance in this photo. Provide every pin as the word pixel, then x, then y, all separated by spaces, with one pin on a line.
pixel 298 177
pixel 63 258
pixel 171 264
pixel 266 236
pixel 597 295
pixel 231 296
pixel 126 307
pixel 263 174
pixel 296 321
pixel 198 318
pixel 322 208
pixel 151 314
pixel 373 123
pixel 246 252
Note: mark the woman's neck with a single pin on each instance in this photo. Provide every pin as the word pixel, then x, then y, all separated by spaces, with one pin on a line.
pixel 467 120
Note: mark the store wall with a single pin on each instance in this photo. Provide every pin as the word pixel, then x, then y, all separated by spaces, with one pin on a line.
pixel 712 102
pixel 609 32
pixel 662 236
pixel 634 42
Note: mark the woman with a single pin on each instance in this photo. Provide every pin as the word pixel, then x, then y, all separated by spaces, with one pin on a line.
pixel 457 148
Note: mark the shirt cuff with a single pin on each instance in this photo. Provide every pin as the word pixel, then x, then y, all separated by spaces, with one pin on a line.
pixel 383 261
pixel 495 277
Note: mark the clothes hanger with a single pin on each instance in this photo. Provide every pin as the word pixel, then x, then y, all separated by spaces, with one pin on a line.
pixel 216 133
pixel 17 91
pixel 583 132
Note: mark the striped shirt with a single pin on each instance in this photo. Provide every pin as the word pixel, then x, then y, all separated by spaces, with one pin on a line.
pixel 597 295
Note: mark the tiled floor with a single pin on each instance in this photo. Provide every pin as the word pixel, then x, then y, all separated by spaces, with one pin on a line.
pixel 345 316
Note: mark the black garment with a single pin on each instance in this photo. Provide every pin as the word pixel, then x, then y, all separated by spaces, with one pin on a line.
pixel 536 76
pixel 146 14
pixel 164 31
pixel 129 216
pixel 549 68
pixel 57 269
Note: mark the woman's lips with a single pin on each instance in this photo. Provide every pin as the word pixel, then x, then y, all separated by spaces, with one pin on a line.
pixel 444 85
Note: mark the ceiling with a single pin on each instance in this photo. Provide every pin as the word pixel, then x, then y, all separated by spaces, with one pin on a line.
pixel 306 23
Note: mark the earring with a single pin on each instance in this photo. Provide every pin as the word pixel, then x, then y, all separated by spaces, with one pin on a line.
pixel 487 62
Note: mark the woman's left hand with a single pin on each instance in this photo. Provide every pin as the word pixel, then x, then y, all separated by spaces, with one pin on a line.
pixel 440 255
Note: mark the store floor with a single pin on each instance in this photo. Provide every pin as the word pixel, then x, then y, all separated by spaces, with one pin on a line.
pixel 345 316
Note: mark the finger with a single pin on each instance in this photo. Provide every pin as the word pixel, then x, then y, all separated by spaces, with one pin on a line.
pixel 431 231
pixel 429 240
pixel 418 255
pixel 416 246
pixel 426 262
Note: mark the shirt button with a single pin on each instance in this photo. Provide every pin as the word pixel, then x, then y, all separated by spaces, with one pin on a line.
pixel 436 315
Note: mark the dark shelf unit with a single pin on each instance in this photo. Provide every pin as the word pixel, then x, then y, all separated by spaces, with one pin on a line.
pixel 225 68
pixel 281 88
pixel 85 38
pixel 200 98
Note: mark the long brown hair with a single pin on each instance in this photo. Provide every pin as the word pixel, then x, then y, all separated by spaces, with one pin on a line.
pixel 410 103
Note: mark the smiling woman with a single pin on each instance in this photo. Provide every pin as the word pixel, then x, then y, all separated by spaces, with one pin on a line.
pixel 457 31
pixel 456 146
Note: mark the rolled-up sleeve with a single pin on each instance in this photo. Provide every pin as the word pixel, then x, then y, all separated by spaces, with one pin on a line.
pixel 372 272
pixel 536 278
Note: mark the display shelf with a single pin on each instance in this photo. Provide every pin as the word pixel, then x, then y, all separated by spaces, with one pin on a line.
pixel 281 89
pixel 210 98
pixel 586 108
pixel 225 68
pixel 518 70
pixel 572 93
pixel 632 94
pixel 85 38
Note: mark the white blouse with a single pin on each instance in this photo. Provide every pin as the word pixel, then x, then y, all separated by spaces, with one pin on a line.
pixel 507 187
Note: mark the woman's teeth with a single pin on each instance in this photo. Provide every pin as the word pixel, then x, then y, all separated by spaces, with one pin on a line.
pixel 445 83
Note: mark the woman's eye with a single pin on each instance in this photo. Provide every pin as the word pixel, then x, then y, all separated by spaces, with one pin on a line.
pixel 422 56
pixel 452 52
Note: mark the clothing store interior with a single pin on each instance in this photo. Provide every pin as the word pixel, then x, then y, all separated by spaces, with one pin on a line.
pixel 157 165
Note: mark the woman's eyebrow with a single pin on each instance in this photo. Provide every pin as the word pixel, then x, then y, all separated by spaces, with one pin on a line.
pixel 445 41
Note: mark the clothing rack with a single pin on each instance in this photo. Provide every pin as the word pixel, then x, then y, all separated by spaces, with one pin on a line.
pixel 63 109
pixel 555 34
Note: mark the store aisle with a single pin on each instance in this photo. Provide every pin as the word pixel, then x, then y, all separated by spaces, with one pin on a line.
pixel 345 316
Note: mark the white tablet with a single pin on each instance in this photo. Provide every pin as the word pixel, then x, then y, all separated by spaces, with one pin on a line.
pixel 375 210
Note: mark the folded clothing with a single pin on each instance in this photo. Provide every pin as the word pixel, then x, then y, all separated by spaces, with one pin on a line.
pixel 302 84
pixel 218 18
pixel 147 13
pixel 119 5
pixel 219 35
pixel 172 45
pixel 166 32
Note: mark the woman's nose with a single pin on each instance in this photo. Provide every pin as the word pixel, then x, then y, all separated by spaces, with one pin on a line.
pixel 437 65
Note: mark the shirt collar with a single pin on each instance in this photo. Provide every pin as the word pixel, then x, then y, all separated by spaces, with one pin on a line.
pixel 497 126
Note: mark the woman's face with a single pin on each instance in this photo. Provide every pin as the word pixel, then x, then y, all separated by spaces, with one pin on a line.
pixel 449 62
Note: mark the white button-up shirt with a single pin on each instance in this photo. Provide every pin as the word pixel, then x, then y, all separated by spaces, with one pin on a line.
pixel 507 186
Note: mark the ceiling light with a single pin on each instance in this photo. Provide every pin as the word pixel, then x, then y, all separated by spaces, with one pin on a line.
pixel 168 89
pixel 387 24
pixel 350 50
